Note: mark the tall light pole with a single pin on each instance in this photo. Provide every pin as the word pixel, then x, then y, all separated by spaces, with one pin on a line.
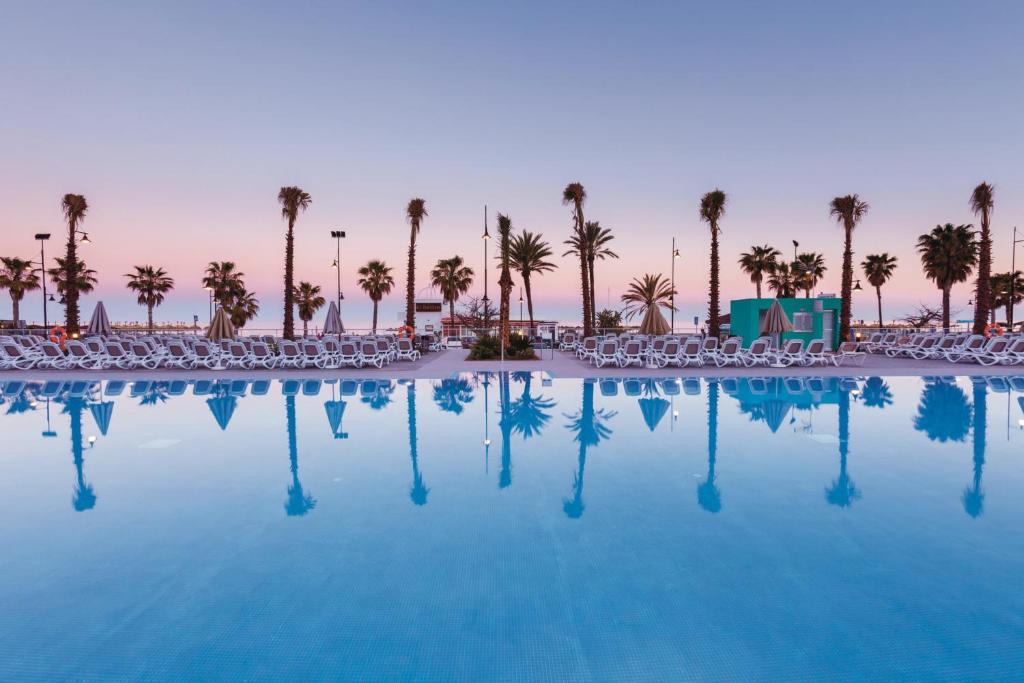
pixel 42 237
pixel 520 309
pixel 486 238
pixel 209 290
pixel 672 297
pixel 1017 239
pixel 338 235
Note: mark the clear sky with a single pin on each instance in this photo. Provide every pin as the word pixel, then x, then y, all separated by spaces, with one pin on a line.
pixel 180 121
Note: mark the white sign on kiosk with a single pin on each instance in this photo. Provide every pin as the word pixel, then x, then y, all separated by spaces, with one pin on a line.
pixel 428 315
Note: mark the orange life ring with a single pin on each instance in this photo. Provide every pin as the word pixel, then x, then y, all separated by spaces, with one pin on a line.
pixel 58 335
pixel 993 329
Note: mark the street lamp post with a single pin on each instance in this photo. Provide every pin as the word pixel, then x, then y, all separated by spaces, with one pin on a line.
pixel 520 309
pixel 672 296
pixel 42 237
pixel 338 235
pixel 209 290
pixel 1017 239
pixel 486 238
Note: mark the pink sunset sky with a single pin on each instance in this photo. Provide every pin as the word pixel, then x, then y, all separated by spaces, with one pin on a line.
pixel 179 124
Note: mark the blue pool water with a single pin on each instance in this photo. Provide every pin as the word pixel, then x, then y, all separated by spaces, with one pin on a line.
pixel 498 527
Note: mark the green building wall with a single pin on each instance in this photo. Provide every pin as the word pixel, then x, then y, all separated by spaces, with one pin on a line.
pixel 745 318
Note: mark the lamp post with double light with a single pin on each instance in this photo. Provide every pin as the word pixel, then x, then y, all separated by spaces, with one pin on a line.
pixel 42 237
pixel 486 238
pixel 672 296
pixel 1018 238
pixel 338 235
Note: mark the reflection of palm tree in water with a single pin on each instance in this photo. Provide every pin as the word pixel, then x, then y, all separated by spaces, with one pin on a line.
pixel 876 393
pixel 973 496
pixel 843 491
pixel 943 413
pixel 708 495
pixel 528 411
pixel 418 492
pixel 452 395
pixel 299 502
pixel 589 426
pixel 85 497
pixel 505 424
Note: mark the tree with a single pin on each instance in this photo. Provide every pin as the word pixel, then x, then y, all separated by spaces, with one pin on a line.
pixel 309 301
pixel 453 278
pixel 376 280
pixel 943 413
pixel 505 280
pixel 982 204
pixel 593 246
pixel 781 282
pixel 948 255
pixel 609 320
pixel 712 208
pixel 1007 291
pixel 848 211
pixel 476 313
pixel 224 280
pixel 878 269
pixel 18 277
pixel 527 255
pixel 758 262
pixel 809 269
pixel 85 277
pixel 293 200
pixel 151 284
pixel 74 207
pixel 415 212
pixel 923 316
pixel 575 195
pixel 642 294
pixel 243 308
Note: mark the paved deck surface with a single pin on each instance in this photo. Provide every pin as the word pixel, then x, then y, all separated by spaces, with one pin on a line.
pixel 558 364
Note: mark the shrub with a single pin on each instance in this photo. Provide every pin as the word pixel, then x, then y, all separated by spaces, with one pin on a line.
pixel 485 348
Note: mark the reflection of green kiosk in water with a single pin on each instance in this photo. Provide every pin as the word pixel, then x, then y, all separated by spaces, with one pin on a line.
pixel 816 318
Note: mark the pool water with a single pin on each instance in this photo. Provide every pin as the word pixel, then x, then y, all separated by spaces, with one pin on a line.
pixel 499 527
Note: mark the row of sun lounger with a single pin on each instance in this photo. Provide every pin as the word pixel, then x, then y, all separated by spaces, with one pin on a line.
pixel 954 348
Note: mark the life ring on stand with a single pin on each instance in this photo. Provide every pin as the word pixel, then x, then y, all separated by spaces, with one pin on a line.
pixel 58 335
pixel 994 330
pixel 406 331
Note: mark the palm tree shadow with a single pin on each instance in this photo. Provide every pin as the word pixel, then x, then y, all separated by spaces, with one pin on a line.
pixel 84 497
pixel 452 395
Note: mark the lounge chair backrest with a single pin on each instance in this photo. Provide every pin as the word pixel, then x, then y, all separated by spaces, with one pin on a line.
pixel 671 348
pixel 632 348
pixel 794 346
pixel 997 345
pixel 817 346
pixel 311 348
pixel 710 343
pixel 369 348
pixel 974 342
pixel 759 346
pixel 13 350
pixel 658 344
pixel 237 349
pixel 405 345
pixel 51 350
pixel 845 347
pixel 348 348
pixel 692 347
pixel 140 349
pixel 609 348
pixel 590 343
pixel 731 346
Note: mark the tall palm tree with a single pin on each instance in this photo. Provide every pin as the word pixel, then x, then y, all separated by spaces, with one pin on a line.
pixel 642 294
pixel 376 280
pixel 781 281
pixel 85 277
pixel 593 246
pixel 309 301
pixel 948 255
pixel 243 308
pixel 415 212
pixel 810 269
pixel 224 280
pixel 575 195
pixel 292 200
pixel 758 262
pixel 849 211
pixel 299 502
pixel 505 280
pixel 712 208
pixel 878 269
pixel 982 203
pixel 74 207
pixel 151 284
pixel 1007 291
pixel 418 491
pixel 18 277
pixel 527 255
pixel 453 278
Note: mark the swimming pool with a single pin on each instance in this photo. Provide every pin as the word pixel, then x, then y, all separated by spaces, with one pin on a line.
pixel 509 527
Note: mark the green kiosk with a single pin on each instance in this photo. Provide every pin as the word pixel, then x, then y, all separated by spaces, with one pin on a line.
pixel 816 318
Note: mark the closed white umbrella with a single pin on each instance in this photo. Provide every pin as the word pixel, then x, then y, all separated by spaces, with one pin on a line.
pixel 332 323
pixel 99 323
pixel 654 322
pixel 221 327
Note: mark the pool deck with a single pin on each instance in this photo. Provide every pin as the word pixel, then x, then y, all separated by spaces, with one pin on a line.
pixel 445 364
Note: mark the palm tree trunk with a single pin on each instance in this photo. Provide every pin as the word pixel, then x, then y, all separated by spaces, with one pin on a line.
pixel 410 280
pixel 149 317
pixel 713 325
pixel 588 329
pixel 289 271
pixel 983 290
pixel 878 292
pixel 847 286
pixel 945 309
pixel 305 327
pixel 71 295
pixel 593 292
pixel 16 305
pixel 451 318
pixel 757 283
pixel 529 299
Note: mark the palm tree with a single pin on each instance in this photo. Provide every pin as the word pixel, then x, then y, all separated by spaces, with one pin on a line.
pixel 309 301
pixel 18 277
pixel 505 280
pixel 593 246
pixel 298 502
pixel 151 284
pixel 453 278
pixel 293 200
pixel 224 281
pixel 712 208
pixel 1007 291
pixel 74 207
pixel 876 393
pixel 243 308
pixel 528 412
pixel 781 281
pixel 943 412
pixel 85 277
pixel 758 262
pixel 878 269
pixel 948 255
pixel 642 294
pixel 376 280
pixel 982 203
pixel 848 211
pixel 527 255
pixel 575 195
pixel 416 211
pixel 810 269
